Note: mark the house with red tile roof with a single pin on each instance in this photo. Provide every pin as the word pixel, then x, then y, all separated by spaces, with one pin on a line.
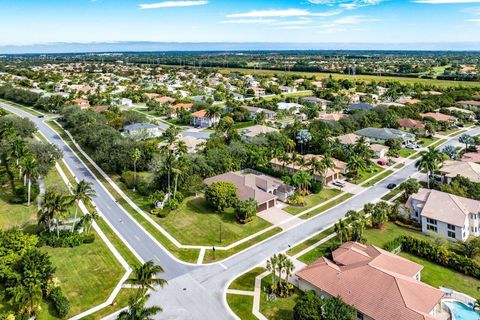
pixel 407 123
pixel 82 103
pixel 179 106
pixel 200 119
pixel 378 284
pixel 437 116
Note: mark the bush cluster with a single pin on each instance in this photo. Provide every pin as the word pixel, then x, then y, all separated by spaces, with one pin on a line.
pixel 436 254
pixel 64 239
pixel 60 302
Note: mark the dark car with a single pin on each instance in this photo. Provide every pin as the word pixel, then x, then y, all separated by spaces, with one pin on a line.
pixel 391 186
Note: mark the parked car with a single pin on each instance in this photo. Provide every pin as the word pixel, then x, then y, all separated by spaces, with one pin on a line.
pixel 412 146
pixel 391 186
pixel 382 162
pixel 339 183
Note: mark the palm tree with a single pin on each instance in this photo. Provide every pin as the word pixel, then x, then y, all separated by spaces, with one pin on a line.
pixel 342 230
pixel 213 112
pixel 327 163
pixel 288 268
pixel 54 206
pixel 137 310
pixel 30 172
pixel 83 192
pixel 145 276
pixel 88 219
pixel 315 166
pixel 26 298
pixel 355 165
pixel 272 266
pixel 290 145
pixel 302 179
pixel 18 149
pixel 429 162
pixel 136 154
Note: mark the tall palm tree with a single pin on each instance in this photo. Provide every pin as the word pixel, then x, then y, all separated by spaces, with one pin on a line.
pixel 327 163
pixel 145 276
pixel 30 172
pixel 136 155
pixel 83 192
pixel 272 266
pixel 315 166
pixel 288 268
pixel 302 179
pixel 88 219
pixel 213 112
pixel 137 310
pixel 342 230
pixel 356 164
pixel 290 145
pixel 54 206
pixel 26 298
pixel 429 162
pixel 18 149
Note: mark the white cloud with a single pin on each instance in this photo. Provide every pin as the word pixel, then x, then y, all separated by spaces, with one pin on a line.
pixel 249 21
pixel 347 4
pixel 353 20
pixel 446 1
pixel 473 20
pixel 172 4
pixel 282 13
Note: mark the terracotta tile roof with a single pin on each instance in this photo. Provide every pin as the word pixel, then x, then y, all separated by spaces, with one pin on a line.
pixel 471 157
pixel 438 116
pixel 469 170
pixel 186 106
pixel 410 123
pixel 349 138
pixel 331 116
pixel 377 283
pixel 469 103
pixel 165 99
pixel 200 114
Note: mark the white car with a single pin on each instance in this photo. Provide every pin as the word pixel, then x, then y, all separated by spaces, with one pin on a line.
pixel 339 183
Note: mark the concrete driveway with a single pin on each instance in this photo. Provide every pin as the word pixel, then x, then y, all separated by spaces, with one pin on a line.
pixel 278 217
pixel 349 187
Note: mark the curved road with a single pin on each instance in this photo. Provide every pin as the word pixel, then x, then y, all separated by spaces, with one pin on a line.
pixel 197 292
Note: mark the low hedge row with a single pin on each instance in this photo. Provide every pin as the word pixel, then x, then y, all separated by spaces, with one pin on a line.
pixel 435 253
pixel 60 302
pixel 64 239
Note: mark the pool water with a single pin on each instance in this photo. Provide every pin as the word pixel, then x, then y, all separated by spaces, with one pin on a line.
pixel 461 311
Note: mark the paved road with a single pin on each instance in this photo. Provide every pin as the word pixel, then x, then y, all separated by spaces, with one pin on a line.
pixel 197 292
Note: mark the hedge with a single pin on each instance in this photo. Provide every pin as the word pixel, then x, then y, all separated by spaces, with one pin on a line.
pixel 60 302
pixel 436 254
pixel 64 239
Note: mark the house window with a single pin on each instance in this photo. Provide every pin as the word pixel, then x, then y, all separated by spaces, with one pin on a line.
pixel 432 221
pixel 431 228
pixel 359 316
pixel 451 227
pixel 451 234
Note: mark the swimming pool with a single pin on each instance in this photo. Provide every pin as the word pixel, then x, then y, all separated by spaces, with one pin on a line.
pixel 461 311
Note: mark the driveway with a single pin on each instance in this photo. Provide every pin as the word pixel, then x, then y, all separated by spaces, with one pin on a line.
pixel 278 217
pixel 349 187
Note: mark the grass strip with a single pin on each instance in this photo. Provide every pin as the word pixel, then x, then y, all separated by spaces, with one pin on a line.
pixel 327 206
pixel 247 280
pixel 309 242
pixel 241 305
pixel 381 176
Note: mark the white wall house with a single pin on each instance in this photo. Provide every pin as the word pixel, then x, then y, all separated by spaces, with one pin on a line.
pixel 450 216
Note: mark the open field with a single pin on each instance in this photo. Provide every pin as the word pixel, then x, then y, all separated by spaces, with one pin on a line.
pixel 318 75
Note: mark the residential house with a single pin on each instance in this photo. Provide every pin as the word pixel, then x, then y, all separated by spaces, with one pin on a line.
pixel 469 103
pixel 256 130
pixel 406 124
pixel 331 175
pixel 165 99
pixel 378 284
pixel 287 89
pixel 100 109
pixel 258 91
pixel 142 131
pixel 331 116
pixel 151 95
pixel 124 102
pixel 360 106
pixel 345 139
pixel 471 157
pixel 200 119
pixel 269 114
pixel 379 150
pixel 193 144
pixel 295 107
pixel 82 103
pixel 264 189
pixel 174 110
pixel 450 216
pixel 408 100
pixel 381 135
pixel 322 103
pixel 437 116
pixel 451 169
pixel 465 114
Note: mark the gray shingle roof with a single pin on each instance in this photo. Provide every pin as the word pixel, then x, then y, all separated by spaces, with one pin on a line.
pixel 384 133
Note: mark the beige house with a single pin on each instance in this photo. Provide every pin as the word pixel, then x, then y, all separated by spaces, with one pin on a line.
pixel 379 150
pixel 378 284
pixel 256 130
pixel 450 216
pixel 451 169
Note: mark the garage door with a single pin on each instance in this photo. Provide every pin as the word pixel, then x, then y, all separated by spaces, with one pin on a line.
pixel 271 204
pixel 262 207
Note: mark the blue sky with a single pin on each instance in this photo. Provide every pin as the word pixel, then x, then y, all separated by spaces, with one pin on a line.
pixel 313 21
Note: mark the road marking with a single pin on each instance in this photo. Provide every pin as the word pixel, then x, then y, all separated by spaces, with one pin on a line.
pixel 157 258
pixel 136 237
pixel 223 266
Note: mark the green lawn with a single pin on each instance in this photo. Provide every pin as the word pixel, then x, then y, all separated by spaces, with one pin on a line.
pixel 389 232
pixel 121 301
pixel 313 200
pixel 424 141
pixel 280 308
pixel 391 194
pixel 327 206
pixel 309 242
pixel 196 223
pixel 449 132
pixel 436 276
pixel 242 125
pixel 318 251
pixel 405 153
pixel 87 273
pixel 365 175
pixel 381 176
pixel 241 305
pixel 247 280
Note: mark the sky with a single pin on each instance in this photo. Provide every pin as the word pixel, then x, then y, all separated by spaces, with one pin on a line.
pixel 26 22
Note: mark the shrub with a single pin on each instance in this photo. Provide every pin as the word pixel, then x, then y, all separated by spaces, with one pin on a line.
pixel 296 200
pixel 221 195
pixel 21 194
pixel 161 213
pixel 316 187
pixel 60 302
pixel 246 210
pixel 171 204
pixel 440 255
pixel 64 239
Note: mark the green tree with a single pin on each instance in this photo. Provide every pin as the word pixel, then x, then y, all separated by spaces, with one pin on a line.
pixel 410 187
pixel 380 214
pixel 342 229
pixel 221 195
pixel 26 298
pixel 138 311
pixel 136 155
pixel 55 205
pixel 30 172
pixel 466 139
pixel 246 210
pixel 146 276
pixel 429 162
pixel 355 165
pixel 82 192
pixel 470 248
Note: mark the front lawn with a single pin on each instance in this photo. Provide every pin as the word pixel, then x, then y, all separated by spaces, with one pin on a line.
pixel 309 242
pixel 280 308
pixel 318 252
pixel 241 305
pixel 247 280
pixel 379 237
pixel 405 152
pixel 325 207
pixel 87 274
pixel 196 223
pixel 365 175
pixel 313 200
pixel 424 141
pixel 381 176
